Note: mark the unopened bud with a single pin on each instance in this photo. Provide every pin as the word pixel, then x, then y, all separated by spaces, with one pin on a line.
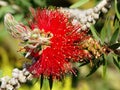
pixel 16 29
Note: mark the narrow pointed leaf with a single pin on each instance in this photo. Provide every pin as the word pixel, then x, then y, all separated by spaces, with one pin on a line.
pixel 103 34
pixel 116 24
pixel 116 63
pixel 97 63
pixel 94 32
pixel 104 65
pixel 115 46
pixel 93 70
pixel 115 36
pixel 79 3
pixel 116 10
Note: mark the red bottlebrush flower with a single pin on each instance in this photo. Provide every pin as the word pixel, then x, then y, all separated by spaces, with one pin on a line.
pixel 64 47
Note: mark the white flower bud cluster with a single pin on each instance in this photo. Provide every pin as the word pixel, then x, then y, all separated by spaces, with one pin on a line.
pixel 3 3
pixel 18 77
pixel 88 17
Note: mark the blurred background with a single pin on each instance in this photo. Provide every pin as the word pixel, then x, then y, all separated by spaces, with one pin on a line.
pixel 10 58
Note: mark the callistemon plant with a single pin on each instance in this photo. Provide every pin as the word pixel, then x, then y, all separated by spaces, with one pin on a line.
pixel 55 41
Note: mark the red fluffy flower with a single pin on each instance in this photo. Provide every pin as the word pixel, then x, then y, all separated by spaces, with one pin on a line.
pixel 65 45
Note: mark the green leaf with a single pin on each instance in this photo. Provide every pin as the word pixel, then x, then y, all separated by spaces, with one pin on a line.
pixel 116 10
pixel 25 3
pixel 79 3
pixel 19 17
pixel 116 23
pixel 40 2
pixel 6 9
pixel 115 60
pixel 119 60
pixel 94 32
pixel 103 34
pixel 96 64
pixel 115 46
pixel 104 65
pixel 93 70
pixel 114 36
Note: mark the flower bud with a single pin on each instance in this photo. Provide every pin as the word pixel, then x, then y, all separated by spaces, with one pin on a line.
pixel 16 29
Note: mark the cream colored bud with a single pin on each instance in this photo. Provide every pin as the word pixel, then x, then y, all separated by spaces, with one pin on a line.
pixel 89 18
pixel 13 81
pixel 95 16
pixel 15 73
pixel 21 77
pixel 17 86
pixel 104 10
pixel 88 24
pixel 84 27
pixel 3 84
pixel 9 87
pixel 30 77
pixel 83 20
pixel 3 3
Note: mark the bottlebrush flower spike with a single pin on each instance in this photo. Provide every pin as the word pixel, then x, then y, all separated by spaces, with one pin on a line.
pixel 53 43
pixel 63 46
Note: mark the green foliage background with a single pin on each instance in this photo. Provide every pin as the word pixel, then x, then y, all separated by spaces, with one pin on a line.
pixel 10 58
